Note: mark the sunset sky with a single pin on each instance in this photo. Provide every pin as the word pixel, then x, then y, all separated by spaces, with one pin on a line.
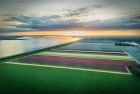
pixel 70 17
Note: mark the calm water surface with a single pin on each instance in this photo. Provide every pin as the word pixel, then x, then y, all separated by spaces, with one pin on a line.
pixel 13 47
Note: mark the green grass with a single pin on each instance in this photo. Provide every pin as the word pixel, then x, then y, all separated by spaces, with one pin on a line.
pixel 80 55
pixel 21 79
pixel 31 79
pixel 26 63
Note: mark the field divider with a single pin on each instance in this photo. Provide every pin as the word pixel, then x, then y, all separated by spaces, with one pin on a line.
pixel 69 68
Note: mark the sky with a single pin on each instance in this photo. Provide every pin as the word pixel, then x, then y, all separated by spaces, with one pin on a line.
pixel 69 15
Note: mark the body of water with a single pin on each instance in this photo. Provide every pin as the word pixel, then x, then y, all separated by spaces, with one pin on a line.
pixel 93 45
pixel 27 44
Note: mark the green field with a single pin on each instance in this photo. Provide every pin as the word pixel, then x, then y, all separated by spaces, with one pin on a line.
pixel 34 79
pixel 18 77
pixel 81 55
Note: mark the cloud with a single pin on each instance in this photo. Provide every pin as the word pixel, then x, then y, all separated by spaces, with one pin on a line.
pixel 57 22
pixel 3 30
pixel 130 22
pixel 49 22
pixel 77 12
pixel 82 11
pixel 35 20
pixel 53 22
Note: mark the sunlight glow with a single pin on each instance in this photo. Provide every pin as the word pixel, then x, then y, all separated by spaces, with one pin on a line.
pixel 133 32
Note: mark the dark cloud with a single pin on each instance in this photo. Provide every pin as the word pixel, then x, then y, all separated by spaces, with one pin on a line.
pixel 77 12
pixel 132 22
pixel 83 10
pixel 10 19
pixel 27 19
pixel 49 22
pixel 55 22
pixel 3 30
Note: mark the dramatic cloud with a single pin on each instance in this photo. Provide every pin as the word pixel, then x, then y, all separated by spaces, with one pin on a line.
pixel 132 22
pixel 56 22
pixel 50 22
pixel 61 14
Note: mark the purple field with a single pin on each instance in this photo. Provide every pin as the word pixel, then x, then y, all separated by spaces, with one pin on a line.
pixel 116 65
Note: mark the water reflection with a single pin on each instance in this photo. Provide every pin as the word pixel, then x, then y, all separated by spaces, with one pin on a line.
pixel 13 47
